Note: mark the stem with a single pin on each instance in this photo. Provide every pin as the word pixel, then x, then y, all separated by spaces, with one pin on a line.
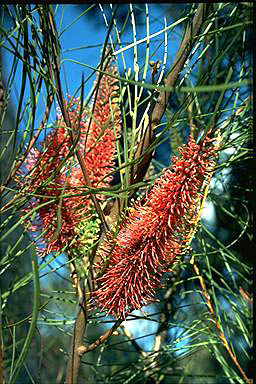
pixel 77 341
pixel 83 349
pixel 218 326
pixel 159 109
pixel 143 154
pixel 181 57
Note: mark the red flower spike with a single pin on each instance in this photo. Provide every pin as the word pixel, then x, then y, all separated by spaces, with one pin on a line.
pixel 155 234
pixel 42 173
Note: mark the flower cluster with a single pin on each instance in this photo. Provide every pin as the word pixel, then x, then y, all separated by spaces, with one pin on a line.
pixel 51 173
pixel 155 233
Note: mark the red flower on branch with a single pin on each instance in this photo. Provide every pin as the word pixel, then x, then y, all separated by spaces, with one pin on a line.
pixel 156 233
pixel 49 173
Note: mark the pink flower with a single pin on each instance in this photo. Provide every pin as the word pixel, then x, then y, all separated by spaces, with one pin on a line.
pixel 104 129
pixel 48 171
pixel 154 234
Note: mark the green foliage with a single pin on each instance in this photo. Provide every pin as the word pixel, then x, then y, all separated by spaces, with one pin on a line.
pixel 201 325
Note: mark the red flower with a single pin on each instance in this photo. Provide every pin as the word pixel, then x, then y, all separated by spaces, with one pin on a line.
pixel 48 171
pixel 154 234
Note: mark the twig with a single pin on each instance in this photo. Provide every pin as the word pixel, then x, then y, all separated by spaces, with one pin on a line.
pixel 83 349
pixel 143 154
pixel 191 122
pixel 218 326
pixel 133 342
pixel 182 55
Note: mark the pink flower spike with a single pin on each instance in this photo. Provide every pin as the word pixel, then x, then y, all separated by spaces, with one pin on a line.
pixel 50 172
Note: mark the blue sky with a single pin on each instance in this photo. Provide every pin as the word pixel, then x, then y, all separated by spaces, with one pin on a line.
pixel 81 43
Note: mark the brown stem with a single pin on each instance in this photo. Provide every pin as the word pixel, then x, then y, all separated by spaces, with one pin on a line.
pixel 77 341
pixel 181 57
pixel 83 349
pixel 143 154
